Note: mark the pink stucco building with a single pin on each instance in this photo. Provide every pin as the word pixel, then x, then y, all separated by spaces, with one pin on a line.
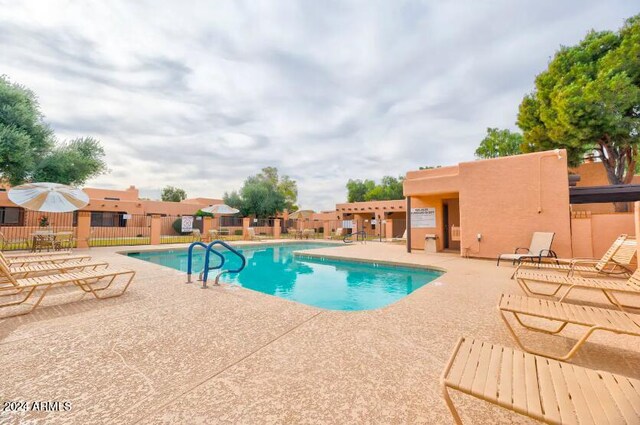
pixel 487 207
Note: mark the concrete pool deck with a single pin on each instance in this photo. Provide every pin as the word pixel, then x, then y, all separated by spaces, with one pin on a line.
pixel 167 352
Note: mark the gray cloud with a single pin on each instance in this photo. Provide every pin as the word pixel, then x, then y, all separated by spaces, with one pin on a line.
pixel 201 95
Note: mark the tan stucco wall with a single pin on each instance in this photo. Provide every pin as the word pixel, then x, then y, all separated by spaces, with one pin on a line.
pixel 507 199
pixel 593 234
pixel 130 194
pixel 433 201
pixel 504 199
pixel 377 207
pixel 130 203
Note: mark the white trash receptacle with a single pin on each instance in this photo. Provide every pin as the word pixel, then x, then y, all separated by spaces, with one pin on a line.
pixel 430 243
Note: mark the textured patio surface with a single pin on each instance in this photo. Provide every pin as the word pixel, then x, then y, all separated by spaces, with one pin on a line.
pixel 168 352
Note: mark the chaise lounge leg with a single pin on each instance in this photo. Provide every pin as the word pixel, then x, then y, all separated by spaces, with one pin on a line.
pixel 537 329
pixel 530 292
pixel 614 300
pixel 567 356
pixel 450 405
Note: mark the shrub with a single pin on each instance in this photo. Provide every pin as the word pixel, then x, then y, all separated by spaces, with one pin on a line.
pixel 237 232
pixel 201 213
pixel 177 227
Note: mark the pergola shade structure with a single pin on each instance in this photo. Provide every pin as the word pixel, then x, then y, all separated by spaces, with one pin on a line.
pixel 604 194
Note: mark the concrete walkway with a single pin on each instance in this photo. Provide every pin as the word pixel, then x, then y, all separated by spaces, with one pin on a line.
pixel 167 352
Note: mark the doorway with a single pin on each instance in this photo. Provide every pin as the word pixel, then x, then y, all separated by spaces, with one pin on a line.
pixel 451 224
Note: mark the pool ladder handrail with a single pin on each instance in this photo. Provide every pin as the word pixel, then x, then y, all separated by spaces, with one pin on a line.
pixel 347 239
pixel 204 274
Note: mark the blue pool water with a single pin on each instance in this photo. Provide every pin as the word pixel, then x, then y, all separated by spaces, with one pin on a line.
pixel 328 284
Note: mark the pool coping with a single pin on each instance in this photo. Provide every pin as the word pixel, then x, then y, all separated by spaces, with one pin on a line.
pixel 174 247
pixel 300 253
pixel 366 261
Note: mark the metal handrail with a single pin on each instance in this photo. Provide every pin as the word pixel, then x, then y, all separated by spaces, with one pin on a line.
pixel 205 274
pixel 206 265
pixel 347 238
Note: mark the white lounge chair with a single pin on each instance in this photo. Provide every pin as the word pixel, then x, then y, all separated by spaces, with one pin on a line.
pixel 540 247
pixel 252 234
pixel 616 261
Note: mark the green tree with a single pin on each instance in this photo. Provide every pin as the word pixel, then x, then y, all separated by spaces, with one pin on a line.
pixel 72 162
pixel 367 190
pixel 588 100
pixel 233 199
pixel 357 189
pixel 284 185
pixel 173 194
pixel 264 195
pixel 499 143
pixel 28 149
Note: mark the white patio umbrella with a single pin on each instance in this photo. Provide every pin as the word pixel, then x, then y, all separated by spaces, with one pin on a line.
pixel 48 197
pixel 221 209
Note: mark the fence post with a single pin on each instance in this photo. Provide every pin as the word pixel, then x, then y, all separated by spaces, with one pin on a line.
pixel 83 232
pixel 215 223
pixel 156 229
pixel 246 223
pixel 277 227
pixel 327 229
pixel 206 226
pixel 636 212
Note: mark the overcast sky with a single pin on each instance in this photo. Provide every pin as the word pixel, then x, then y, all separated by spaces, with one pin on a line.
pixel 201 94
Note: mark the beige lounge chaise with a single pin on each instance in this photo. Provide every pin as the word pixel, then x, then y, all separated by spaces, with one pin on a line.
pixel 615 261
pixel 217 235
pixel 562 314
pixel 548 390
pixel 19 291
pixel 36 254
pixel 252 234
pixel 308 233
pixel 539 247
pixel 609 287
pixel 48 268
pixel 43 259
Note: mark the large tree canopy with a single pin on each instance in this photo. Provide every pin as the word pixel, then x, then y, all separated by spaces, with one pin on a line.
pixel 589 100
pixel 389 188
pixel 264 195
pixel 499 143
pixel 173 194
pixel 28 149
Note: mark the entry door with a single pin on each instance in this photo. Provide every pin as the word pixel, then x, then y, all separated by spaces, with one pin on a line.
pixel 445 216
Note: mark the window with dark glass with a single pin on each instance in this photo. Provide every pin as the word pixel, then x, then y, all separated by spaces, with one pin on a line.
pixel 108 219
pixel 10 216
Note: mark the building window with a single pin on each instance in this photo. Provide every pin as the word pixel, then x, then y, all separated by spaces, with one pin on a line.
pixel 108 219
pixel 10 216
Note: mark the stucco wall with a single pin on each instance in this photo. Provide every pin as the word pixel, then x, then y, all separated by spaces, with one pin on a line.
pixel 593 234
pixel 129 203
pixel 417 235
pixel 507 199
pixel 503 199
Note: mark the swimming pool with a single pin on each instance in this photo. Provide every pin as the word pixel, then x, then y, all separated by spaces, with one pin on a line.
pixel 324 283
